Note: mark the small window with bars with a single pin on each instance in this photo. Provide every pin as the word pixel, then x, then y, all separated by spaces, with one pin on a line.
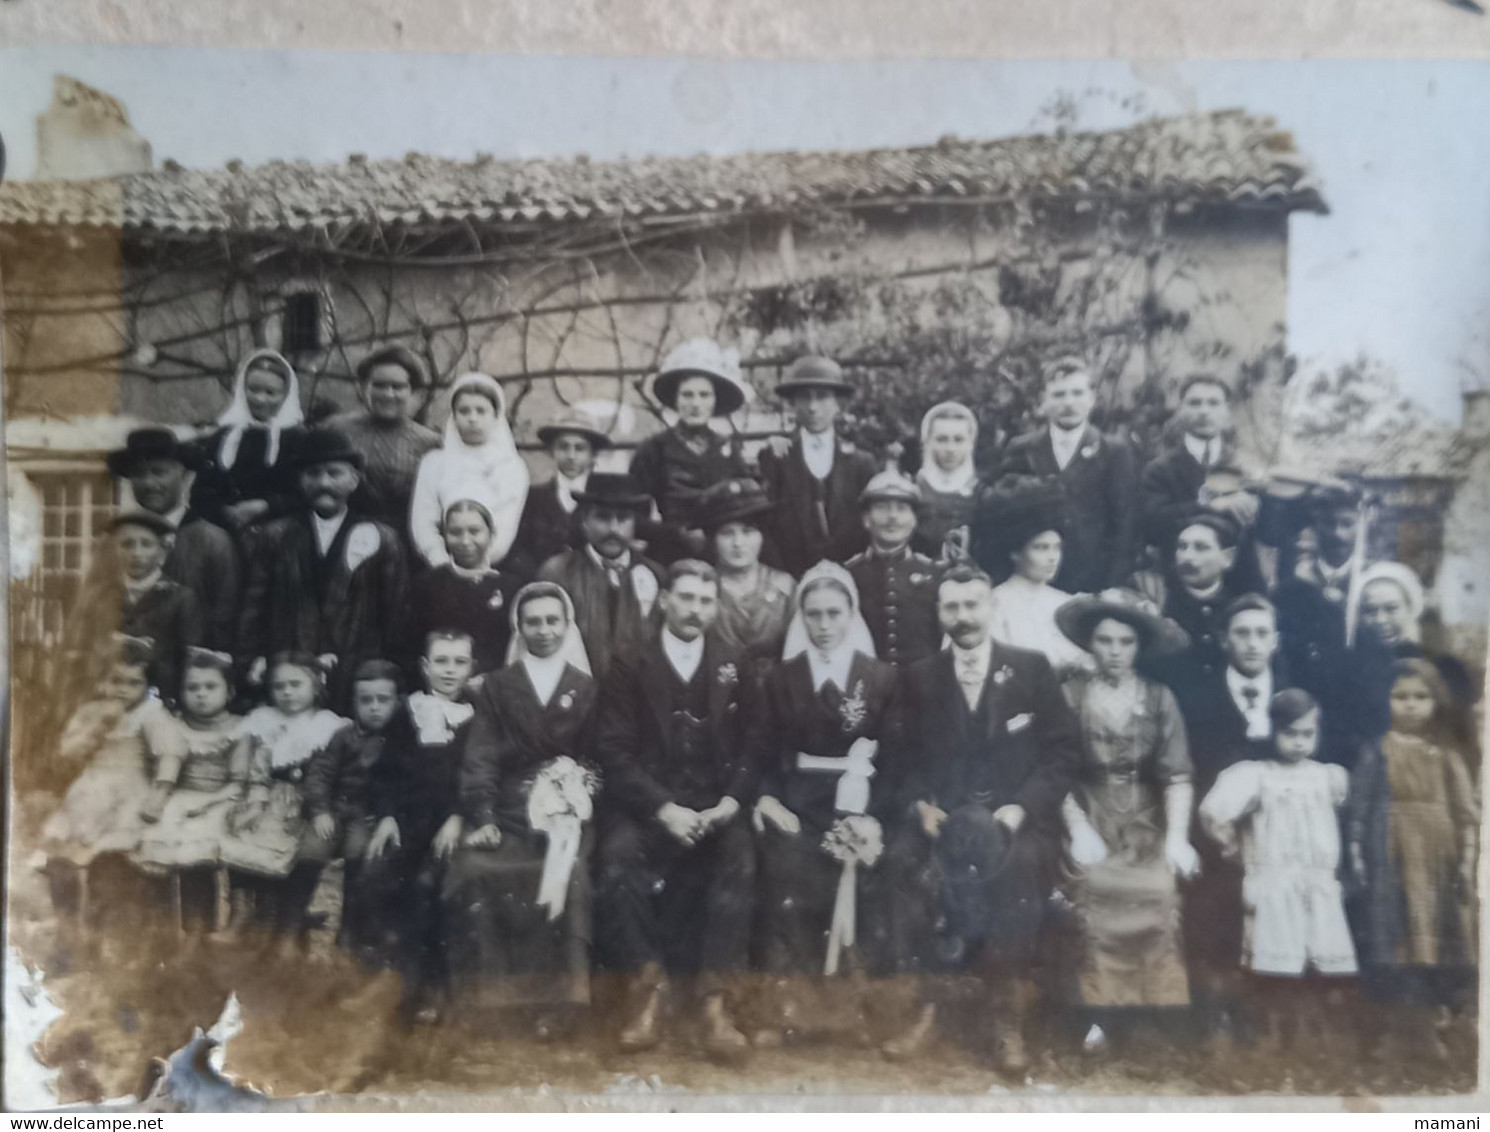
pixel 300 329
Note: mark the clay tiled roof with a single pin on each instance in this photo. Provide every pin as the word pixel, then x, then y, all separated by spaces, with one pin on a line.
pixel 1227 157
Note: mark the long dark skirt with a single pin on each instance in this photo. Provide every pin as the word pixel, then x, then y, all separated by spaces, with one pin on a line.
pixel 502 948
pixel 797 887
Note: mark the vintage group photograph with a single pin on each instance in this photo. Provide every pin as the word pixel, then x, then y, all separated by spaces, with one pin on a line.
pixel 634 576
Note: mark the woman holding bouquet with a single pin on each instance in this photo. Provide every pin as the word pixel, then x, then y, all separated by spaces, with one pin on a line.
pixel 830 706
pixel 518 892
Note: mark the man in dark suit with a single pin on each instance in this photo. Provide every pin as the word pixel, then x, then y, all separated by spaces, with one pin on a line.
pixel 324 580
pixel 991 748
pixel 1226 722
pixel 815 477
pixel 897 585
pixel 1194 589
pixel 202 557
pixel 550 522
pixel 1201 471
pixel 1096 474
pixel 613 587
pixel 679 745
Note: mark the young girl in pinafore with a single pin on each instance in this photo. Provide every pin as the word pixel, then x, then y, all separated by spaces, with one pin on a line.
pixel 1285 812
pixel 1413 829
pixel 195 791
pixel 265 827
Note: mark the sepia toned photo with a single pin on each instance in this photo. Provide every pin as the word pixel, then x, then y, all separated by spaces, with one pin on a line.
pixel 544 577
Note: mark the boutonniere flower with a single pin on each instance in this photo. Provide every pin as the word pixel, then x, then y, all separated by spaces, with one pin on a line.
pixel 496 601
pixel 1089 451
pixel 1003 676
pixel 852 708
pixel 362 544
pixel 728 675
pixel 920 579
pixel 644 585
pixel 566 701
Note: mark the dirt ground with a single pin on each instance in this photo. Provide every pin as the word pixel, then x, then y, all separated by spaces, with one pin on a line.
pixel 326 1026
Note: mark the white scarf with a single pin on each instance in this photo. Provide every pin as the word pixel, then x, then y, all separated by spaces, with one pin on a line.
pixel 498 456
pixel 237 418
pixel 962 479
pixel 858 637
pixel 570 652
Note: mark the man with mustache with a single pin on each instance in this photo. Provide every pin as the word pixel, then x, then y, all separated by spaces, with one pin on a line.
pixel 991 748
pixel 679 743
pixel 325 580
pixel 1195 591
pixel 613 586
pixel 202 557
pixel 897 585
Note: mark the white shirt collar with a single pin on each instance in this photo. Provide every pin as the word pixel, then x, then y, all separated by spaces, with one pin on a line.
pixel 1200 448
pixel 545 673
pixel 832 666
pixel 684 656
pixel 326 530
pixel 1065 442
pixel 817 451
pixel 622 564
pixel 134 589
pixel 979 657
pixel 567 487
pixel 175 515
pixel 1258 726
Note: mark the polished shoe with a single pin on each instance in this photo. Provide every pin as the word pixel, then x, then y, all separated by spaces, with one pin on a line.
pixel 722 1038
pixel 1012 1058
pixel 912 1040
pixel 645 1028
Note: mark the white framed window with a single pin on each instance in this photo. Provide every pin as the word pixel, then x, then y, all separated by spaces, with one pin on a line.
pixel 76 504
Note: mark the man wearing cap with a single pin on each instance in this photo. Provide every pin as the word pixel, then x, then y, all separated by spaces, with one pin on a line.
pixel 699 380
pixel 326 580
pixel 391 441
pixel 897 585
pixel 816 477
pixel 1194 591
pixel 1096 474
pixel 613 587
pixel 550 522
pixel 202 556
pixel 991 749
pixel 679 743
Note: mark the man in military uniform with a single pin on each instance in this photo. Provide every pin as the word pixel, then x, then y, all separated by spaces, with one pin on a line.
pixel 815 476
pixel 897 586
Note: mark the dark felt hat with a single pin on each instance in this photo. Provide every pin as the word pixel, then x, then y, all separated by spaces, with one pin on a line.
pixel 1157 634
pixel 577 422
pixel 1019 507
pixel 612 489
pixel 141 518
pixel 814 372
pixel 731 501
pixel 150 444
pixel 1227 529
pixel 324 446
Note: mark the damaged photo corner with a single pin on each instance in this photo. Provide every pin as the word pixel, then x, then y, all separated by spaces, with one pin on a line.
pixel 651 580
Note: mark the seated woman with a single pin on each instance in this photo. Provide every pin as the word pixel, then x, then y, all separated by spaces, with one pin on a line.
pixel 478 460
pixel 755 600
pixel 830 706
pixel 1128 819
pixel 517 894
pixel 948 480
pixel 242 479
pixel 1025 546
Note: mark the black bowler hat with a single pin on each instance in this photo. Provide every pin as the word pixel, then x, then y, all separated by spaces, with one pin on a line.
pixel 611 489
pixel 150 444
pixel 814 372
pixel 324 446
pixel 731 501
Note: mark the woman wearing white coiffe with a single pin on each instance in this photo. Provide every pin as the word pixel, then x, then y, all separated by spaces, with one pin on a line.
pixel 478 460
pixel 518 893
pixel 830 710
pixel 948 480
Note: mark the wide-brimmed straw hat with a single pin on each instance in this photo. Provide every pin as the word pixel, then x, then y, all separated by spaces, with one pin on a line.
pixel 701 357
pixel 1157 635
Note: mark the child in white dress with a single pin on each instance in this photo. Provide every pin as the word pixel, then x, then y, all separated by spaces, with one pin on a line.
pixel 266 824
pixel 194 792
pixel 1284 810
pixel 121 735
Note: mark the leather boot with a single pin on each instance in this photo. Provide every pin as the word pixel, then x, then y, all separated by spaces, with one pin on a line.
pixel 644 1030
pixel 722 1039
pixel 914 1038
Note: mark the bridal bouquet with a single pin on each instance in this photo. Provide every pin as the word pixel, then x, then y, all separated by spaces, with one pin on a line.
pixel 854 840
pixel 560 801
